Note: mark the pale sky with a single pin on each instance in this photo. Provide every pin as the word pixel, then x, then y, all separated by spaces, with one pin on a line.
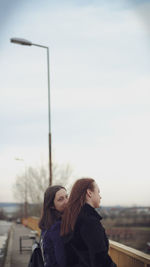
pixel 100 93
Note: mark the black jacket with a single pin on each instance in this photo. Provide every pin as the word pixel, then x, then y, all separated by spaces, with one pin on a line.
pixel 88 245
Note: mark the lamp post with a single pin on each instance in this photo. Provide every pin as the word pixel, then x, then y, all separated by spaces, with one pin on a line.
pixel 26 190
pixel 26 42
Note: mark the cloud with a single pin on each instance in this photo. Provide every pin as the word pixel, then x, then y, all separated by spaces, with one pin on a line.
pixel 7 10
pixel 143 11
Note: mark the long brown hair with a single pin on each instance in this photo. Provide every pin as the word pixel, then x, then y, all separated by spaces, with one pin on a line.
pixel 76 201
pixel 49 213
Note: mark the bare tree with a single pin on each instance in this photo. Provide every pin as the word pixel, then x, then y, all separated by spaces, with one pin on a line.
pixel 33 182
pixel 62 174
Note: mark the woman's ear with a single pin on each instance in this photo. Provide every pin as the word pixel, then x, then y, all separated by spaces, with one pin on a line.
pixel 89 193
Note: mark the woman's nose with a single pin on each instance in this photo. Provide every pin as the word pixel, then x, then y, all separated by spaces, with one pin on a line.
pixel 66 200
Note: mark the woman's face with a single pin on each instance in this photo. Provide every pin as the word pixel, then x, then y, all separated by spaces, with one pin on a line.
pixel 60 200
pixel 95 196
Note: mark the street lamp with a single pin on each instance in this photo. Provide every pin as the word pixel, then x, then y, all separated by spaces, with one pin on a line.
pixel 25 197
pixel 26 42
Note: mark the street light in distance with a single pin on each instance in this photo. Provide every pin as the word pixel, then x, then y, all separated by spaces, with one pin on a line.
pixel 29 43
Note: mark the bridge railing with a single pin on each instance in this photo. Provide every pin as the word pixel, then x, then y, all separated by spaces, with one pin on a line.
pixel 122 255
pixel 32 223
pixel 125 256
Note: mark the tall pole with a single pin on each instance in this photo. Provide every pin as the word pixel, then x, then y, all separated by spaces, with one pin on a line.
pixel 49 114
pixel 49 121
pixel 26 42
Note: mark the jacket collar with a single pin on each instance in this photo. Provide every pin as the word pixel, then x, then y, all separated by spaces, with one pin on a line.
pixel 89 210
pixel 85 210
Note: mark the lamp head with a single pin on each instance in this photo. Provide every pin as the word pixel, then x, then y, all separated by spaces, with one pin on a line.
pixel 20 41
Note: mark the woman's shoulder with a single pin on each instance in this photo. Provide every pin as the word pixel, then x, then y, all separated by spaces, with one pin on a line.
pixel 54 232
pixel 53 229
pixel 56 226
pixel 88 218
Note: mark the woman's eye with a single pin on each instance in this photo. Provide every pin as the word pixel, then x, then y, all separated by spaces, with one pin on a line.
pixel 60 199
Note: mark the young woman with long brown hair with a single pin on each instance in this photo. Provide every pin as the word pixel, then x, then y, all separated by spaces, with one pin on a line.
pixel 55 200
pixel 85 241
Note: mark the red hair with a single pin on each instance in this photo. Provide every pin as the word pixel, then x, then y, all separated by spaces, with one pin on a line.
pixel 76 201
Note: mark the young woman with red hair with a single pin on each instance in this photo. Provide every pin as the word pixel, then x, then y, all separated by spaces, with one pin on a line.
pixel 85 241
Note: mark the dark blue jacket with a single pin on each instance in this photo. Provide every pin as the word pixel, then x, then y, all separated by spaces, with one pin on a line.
pixel 53 248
